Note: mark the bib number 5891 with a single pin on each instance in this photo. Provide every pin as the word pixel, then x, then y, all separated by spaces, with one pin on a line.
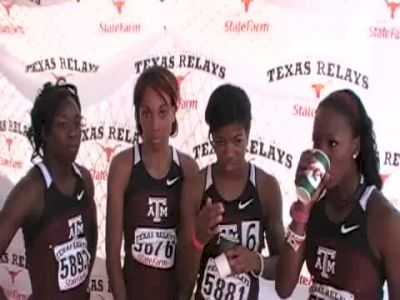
pixel 72 265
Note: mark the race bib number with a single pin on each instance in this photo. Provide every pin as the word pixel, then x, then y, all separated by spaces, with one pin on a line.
pixel 73 263
pixel 155 247
pixel 324 292
pixel 234 287
pixel 249 231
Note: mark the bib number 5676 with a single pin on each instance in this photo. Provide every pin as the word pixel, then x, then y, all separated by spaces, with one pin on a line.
pixel 156 249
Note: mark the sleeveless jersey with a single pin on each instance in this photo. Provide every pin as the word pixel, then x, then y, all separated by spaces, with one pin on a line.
pixel 242 221
pixel 60 247
pixel 151 217
pixel 339 257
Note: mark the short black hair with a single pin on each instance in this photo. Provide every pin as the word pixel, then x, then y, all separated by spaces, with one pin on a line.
pixel 47 102
pixel 348 103
pixel 228 104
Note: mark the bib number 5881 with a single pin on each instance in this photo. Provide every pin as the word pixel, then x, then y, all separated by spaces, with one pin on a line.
pixel 219 289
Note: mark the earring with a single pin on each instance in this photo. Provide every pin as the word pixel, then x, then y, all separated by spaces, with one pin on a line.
pixel 355 155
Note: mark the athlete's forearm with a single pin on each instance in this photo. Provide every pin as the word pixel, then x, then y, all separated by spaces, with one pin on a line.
pixel 289 264
pixel 188 262
pixel 117 281
pixel 270 264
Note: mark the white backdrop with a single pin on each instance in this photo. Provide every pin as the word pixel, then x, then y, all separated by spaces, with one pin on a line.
pixel 287 55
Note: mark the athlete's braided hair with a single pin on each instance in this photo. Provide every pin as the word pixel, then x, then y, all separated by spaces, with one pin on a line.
pixel 347 103
pixel 43 111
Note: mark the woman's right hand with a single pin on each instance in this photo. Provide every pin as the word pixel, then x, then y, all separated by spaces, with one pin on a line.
pixel 305 162
pixel 208 220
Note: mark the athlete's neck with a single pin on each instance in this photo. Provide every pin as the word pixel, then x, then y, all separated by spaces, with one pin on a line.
pixel 241 170
pixel 342 198
pixel 156 162
pixel 60 171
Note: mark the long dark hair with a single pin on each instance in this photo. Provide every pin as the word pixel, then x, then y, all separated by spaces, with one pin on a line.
pixel 162 81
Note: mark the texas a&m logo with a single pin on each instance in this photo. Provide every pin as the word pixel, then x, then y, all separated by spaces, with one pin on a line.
pixel 75 227
pixel 326 262
pixel 158 208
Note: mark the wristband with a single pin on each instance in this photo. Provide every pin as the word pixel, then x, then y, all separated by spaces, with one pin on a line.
pixel 294 240
pixel 261 266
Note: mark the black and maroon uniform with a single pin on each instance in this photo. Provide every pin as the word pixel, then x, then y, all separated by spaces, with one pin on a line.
pixel 339 257
pixel 242 221
pixel 61 245
pixel 151 217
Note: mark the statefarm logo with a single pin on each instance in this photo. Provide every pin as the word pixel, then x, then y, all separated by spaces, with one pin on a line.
pixel 323 73
pixel 185 103
pixel 120 26
pixel 387 29
pixel 243 23
pixel 9 27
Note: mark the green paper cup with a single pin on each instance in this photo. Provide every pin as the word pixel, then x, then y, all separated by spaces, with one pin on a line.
pixel 307 185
